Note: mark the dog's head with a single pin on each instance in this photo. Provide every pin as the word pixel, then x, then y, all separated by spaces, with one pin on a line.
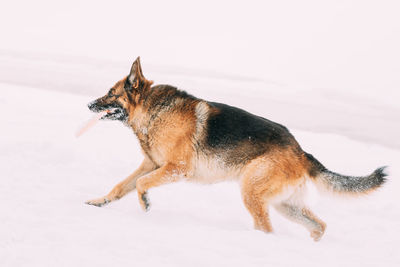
pixel 122 98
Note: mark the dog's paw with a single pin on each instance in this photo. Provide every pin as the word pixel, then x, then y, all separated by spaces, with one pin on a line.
pixel 318 231
pixel 98 202
pixel 144 201
pixel 317 234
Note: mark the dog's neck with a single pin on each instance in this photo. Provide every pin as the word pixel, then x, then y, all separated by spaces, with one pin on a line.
pixel 147 115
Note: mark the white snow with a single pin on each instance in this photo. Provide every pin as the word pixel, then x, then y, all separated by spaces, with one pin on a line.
pixel 328 71
pixel 47 174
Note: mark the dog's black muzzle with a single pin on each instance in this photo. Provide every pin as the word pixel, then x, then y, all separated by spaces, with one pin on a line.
pixel 93 106
pixel 115 111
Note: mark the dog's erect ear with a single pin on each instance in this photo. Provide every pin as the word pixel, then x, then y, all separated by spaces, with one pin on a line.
pixel 136 74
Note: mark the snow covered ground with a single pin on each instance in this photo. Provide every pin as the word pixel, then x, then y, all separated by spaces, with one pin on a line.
pixel 329 71
pixel 47 174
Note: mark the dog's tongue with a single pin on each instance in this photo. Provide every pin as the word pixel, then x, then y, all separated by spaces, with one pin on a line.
pixel 90 123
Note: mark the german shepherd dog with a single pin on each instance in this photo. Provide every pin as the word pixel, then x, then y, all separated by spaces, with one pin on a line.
pixel 186 138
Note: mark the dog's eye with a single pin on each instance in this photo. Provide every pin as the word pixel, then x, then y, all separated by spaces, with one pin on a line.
pixel 111 93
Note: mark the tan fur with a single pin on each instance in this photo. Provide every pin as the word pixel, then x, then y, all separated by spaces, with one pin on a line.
pixel 265 179
pixel 275 178
pixel 171 143
pixel 126 185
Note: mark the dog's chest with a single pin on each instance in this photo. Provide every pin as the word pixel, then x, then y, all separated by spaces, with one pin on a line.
pixel 154 149
pixel 157 156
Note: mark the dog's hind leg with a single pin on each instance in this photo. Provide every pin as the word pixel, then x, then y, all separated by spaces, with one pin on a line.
pixel 294 209
pixel 257 206
pixel 265 179
pixel 303 216
pixel 125 186
pixel 257 188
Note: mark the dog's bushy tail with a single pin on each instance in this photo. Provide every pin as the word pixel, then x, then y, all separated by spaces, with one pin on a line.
pixel 345 184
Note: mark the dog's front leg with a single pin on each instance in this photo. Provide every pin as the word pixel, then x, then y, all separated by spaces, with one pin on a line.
pixel 125 186
pixel 168 173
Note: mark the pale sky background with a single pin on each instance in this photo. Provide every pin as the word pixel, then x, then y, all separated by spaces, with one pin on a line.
pixel 348 45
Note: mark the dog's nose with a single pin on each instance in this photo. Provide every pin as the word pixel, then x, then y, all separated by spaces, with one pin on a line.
pixel 92 106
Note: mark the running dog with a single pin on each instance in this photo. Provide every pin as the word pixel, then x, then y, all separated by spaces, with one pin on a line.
pixel 186 138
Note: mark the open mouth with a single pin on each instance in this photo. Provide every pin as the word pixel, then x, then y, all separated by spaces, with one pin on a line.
pixel 114 114
pixel 111 111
